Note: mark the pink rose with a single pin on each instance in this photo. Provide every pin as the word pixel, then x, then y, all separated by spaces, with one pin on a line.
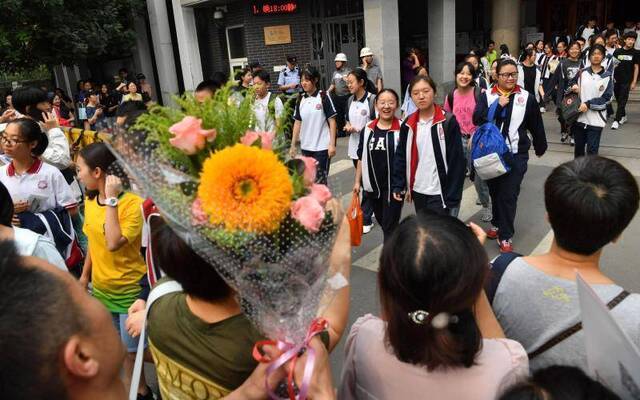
pixel 308 212
pixel 320 193
pixel 266 139
pixel 309 169
pixel 198 214
pixel 189 136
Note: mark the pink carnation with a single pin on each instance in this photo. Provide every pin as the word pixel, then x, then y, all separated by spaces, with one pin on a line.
pixel 309 174
pixel 198 214
pixel 266 139
pixel 308 211
pixel 189 136
pixel 320 193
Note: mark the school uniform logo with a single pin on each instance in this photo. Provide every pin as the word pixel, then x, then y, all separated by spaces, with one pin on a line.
pixel 520 101
pixel 43 184
pixel 318 106
pixel 363 112
pixel 601 88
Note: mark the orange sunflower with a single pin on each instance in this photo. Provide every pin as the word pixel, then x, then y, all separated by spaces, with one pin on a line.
pixel 245 188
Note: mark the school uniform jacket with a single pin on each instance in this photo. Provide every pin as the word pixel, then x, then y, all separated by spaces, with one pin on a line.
pixel 522 114
pixel 448 155
pixel 536 82
pixel 370 182
pixel 596 91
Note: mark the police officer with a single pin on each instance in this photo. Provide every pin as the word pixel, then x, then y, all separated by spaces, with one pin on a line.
pixel 289 78
pixel 338 90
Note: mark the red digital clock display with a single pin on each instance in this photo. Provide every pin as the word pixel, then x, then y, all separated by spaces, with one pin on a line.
pixel 268 8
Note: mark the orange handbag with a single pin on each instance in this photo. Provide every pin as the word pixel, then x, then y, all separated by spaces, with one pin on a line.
pixel 354 216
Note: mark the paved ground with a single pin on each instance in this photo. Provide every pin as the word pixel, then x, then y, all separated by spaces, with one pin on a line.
pixel 533 233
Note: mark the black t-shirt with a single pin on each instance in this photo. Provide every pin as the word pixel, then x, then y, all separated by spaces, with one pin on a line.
pixel 530 78
pixel 628 58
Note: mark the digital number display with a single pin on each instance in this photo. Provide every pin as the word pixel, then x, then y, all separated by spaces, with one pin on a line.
pixel 274 7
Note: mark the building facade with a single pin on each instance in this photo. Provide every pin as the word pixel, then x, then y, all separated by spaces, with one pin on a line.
pixel 186 41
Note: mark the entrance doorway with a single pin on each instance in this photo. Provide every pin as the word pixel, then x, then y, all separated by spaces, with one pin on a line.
pixel 340 29
pixel 236 49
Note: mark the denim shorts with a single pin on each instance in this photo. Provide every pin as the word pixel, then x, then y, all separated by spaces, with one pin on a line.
pixel 131 343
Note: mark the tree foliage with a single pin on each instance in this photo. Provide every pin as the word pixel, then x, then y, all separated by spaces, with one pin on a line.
pixel 36 32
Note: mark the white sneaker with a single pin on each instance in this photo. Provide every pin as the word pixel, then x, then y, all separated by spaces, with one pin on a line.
pixel 572 142
pixel 367 228
pixel 615 125
pixel 487 216
pixel 542 110
pixel 623 120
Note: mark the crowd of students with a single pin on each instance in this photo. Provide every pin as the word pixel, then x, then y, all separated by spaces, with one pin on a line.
pixel 447 315
pixel 450 325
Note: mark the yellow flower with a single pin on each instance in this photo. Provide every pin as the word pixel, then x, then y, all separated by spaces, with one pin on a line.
pixel 245 188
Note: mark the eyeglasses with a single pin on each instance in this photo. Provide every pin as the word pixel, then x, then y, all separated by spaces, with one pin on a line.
pixel 507 75
pixel 10 142
pixel 387 104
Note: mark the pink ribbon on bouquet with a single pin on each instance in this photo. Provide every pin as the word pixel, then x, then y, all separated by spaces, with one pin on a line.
pixel 292 353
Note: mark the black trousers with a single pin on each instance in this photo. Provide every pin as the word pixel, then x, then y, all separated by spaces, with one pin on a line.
pixel 425 203
pixel 387 212
pixel 367 208
pixel 621 91
pixel 340 104
pixel 322 157
pixel 504 192
pixel 586 135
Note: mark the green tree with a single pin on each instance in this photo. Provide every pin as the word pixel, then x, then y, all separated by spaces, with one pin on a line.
pixel 36 32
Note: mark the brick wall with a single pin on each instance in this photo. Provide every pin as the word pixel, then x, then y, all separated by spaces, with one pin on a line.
pixel 212 39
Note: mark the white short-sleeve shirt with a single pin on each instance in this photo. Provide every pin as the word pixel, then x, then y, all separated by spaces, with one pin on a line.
pixel 313 112
pixel 358 115
pixel 427 179
pixel 264 121
pixel 43 186
pixel 33 244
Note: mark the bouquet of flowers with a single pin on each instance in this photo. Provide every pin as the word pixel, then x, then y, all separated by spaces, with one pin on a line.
pixel 234 196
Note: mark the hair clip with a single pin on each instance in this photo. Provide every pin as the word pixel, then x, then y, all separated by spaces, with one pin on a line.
pixel 419 316
pixel 443 320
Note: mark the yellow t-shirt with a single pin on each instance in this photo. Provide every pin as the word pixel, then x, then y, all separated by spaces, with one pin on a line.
pixel 115 275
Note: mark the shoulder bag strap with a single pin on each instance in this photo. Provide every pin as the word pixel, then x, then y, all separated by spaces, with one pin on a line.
pixel 157 292
pixel 573 329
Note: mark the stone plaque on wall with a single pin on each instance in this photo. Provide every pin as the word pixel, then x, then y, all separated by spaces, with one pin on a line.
pixel 279 34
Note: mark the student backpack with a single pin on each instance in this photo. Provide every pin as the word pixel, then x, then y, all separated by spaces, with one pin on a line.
pixel 489 149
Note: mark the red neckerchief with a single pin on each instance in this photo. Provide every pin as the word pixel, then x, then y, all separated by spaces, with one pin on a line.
pixel 412 122
pixel 516 89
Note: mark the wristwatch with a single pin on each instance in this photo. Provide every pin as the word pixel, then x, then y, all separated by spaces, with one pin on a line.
pixel 111 201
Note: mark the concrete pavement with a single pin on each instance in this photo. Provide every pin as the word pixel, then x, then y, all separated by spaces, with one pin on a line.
pixel 533 233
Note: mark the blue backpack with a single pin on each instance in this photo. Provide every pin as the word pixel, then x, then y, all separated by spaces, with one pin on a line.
pixel 489 150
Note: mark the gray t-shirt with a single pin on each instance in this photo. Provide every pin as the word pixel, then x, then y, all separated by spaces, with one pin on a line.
pixel 340 81
pixel 532 307
pixel 374 73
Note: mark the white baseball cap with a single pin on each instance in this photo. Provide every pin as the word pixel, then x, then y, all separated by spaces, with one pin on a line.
pixel 341 57
pixel 365 52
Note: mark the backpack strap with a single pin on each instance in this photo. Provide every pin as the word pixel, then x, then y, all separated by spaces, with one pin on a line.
pixel 498 267
pixel 372 106
pixel 491 115
pixel 574 329
pixel 160 290
pixel 323 96
pixel 450 98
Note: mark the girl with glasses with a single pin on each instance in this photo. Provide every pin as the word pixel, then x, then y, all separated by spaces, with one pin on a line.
pixel 517 114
